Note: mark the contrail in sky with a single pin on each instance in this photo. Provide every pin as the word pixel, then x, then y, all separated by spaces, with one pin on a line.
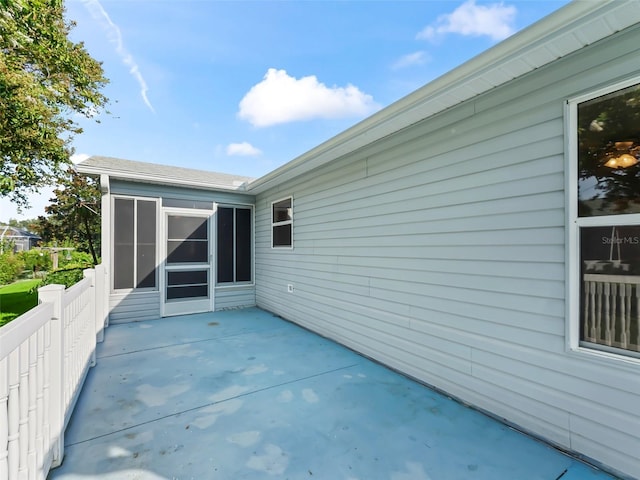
pixel 115 37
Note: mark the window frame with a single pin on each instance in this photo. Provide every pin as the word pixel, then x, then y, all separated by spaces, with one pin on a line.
pixel 112 236
pixel 275 224
pixel 235 282
pixel 574 222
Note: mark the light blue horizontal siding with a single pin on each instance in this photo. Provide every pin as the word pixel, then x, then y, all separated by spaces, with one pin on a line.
pixel 120 187
pixel 134 307
pixel 235 297
pixel 440 251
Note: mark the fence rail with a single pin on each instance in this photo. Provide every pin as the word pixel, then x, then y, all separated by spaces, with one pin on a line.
pixel 45 355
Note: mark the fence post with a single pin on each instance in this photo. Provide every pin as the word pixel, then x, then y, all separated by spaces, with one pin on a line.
pixel 100 302
pixel 53 294
pixel 4 417
pixel 90 273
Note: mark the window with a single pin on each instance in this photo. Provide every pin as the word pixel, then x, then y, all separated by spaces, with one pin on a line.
pixel 606 219
pixel 134 243
pixel 234 244
pixel 282 223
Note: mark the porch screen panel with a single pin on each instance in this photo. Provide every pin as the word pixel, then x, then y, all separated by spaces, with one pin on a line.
pixel 188 240
pixel 146 244
pixel 187 284
pixel 225 244
pixel 234 247
pixel 123 243
pixel 243 245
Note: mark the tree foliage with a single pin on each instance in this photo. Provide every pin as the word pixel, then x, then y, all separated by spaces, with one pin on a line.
pixel 74 215
pixel 11 265
pixel 27 224
pixel 45 79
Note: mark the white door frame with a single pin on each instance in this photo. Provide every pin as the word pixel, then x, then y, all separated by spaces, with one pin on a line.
pixel 186 306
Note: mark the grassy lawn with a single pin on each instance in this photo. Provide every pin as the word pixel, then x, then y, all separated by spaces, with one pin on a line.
pixel 17 298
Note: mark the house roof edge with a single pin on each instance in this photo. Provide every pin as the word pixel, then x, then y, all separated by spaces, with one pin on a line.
pixel 559 34
pixel 111 168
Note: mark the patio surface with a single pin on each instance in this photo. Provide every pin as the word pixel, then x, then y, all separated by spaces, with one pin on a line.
pixel 243 394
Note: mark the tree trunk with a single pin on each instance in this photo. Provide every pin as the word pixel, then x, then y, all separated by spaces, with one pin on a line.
pixel 90 240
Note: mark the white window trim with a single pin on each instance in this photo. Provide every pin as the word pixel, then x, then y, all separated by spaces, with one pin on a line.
pixel 278 224
pixel 573 222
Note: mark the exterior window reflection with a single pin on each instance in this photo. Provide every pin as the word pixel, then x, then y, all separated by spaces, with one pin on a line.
pixel 609 154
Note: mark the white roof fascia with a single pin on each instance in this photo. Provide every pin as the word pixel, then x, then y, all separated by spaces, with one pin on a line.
pixel 565 31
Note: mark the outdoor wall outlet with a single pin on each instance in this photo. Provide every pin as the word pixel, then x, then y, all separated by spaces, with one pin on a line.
pixel 290 288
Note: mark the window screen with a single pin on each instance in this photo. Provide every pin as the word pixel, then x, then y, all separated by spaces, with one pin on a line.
pixel 134 243
pixel 234 244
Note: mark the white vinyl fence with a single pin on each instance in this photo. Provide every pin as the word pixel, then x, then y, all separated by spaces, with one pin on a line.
pixel 45 355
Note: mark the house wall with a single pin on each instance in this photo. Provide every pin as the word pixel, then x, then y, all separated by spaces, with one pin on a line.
pixel 20 242
pixel 235 297
pixel 129 306
pixel 440 251
pixel 133 306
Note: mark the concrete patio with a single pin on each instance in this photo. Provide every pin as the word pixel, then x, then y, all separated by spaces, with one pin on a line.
pixel 243 394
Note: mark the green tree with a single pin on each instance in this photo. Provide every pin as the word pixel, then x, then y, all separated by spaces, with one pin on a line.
pixel 26 224
pixel 73 216
pixel 45 79
pixel 11 265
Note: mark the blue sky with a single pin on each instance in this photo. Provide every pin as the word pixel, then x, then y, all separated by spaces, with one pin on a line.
pixel 244 87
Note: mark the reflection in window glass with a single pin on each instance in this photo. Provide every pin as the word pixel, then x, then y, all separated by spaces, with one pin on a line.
pixel 282 211
pixel 282 223
pixel 609 154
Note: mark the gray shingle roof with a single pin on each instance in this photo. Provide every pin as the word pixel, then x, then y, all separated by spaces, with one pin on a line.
pixel 7 231
pixel 119 168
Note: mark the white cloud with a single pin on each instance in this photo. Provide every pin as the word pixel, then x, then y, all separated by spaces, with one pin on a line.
pixel 244 149
pixel 494 20
pixel 411 59
pixel 115 37
pixel 280 98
